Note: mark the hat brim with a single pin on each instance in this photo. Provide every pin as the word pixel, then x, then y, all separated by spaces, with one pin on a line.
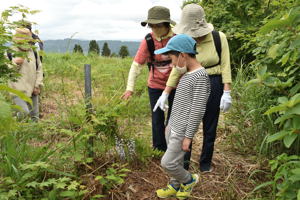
pixel 162 50
pixel 194 32
pixel 22 34
pixel 157 21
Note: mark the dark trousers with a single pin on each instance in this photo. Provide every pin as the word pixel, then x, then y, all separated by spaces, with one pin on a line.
pixel 158 119
pixel 210 123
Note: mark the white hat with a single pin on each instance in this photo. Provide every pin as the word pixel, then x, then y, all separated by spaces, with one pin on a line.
pixel 193 22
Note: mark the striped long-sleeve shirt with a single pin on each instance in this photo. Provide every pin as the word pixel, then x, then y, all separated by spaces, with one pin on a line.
pixel 190 102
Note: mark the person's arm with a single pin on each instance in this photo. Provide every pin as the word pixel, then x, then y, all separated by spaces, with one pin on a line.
pixel 135 71
pixel 140 59
pixel 198 105
pixel 225 63
pixel 226 74
pixel 227 86
pixel 172 80
pixel 171 84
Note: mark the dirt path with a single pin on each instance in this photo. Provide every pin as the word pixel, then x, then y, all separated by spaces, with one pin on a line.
pixel 228 181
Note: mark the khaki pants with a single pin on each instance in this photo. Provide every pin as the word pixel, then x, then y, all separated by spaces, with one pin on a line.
pixel 27 109
pixel 172 161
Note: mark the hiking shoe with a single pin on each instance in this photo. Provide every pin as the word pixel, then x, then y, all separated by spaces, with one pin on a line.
pixel 185 190
pixel 209 170
pixel 167 192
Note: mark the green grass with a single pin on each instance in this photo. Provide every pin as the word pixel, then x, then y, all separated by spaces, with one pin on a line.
pixel 64 85
pixel 249 124
pixel 60 140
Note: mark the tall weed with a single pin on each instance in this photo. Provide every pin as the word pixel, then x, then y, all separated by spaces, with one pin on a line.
pixel 249 126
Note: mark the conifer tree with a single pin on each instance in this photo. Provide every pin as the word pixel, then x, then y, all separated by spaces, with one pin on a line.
pixel 105 50
pixel 94 47
pixel 77 49
pixel 123 51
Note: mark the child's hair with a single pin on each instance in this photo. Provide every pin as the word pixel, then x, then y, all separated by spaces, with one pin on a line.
pixel 176 53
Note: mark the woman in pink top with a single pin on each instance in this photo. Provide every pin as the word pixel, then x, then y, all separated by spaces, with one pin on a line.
pixel 159 69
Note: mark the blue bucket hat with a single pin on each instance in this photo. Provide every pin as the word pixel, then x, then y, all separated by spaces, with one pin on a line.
pixel 181 43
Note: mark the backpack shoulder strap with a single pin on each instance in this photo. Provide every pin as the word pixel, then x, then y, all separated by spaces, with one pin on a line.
pixel 151 48
pixel 36 59
pixel 217 42
pixel 9 55
pixel 150 45
pixel 218 46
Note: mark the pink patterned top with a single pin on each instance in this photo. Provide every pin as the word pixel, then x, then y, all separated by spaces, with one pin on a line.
pixel 161 73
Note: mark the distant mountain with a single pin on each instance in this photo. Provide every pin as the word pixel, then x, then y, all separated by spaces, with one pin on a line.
pixel 62 46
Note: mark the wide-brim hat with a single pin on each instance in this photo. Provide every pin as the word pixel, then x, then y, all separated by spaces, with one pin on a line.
pixel 157 15
pixel 22 34
pixel 193 22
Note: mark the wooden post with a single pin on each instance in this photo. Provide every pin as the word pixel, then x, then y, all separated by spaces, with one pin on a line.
pixel 88 103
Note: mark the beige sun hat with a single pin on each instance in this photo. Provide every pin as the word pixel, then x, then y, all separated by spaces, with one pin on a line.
pixel 22 34
pixel 158 14
pixel 193 22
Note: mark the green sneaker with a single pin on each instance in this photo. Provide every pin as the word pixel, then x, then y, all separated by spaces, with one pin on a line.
pixel 185 190
pixel 167 192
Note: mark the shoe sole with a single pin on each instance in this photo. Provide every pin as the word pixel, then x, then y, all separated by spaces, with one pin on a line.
pixel 197 180
pixel 209 171
pixel 165 196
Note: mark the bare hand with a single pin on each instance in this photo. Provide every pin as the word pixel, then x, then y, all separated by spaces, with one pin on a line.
pixel 18 60
pixel 36 91
pixel 127 94
pixel 186 144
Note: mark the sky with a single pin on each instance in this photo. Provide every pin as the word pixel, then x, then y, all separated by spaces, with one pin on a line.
pixel 92 19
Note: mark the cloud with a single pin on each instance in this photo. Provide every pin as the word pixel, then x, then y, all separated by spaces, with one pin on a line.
pixel 93 19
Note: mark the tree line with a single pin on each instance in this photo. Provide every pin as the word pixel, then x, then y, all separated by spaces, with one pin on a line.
pixel 94 49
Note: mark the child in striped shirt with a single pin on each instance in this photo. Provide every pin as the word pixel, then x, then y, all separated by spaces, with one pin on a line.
pixel 188 109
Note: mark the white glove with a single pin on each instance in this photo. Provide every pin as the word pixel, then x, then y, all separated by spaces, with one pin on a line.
pixel 225 101
pixel 162 102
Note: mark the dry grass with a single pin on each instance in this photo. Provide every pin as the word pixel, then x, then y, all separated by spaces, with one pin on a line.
pixel 229 180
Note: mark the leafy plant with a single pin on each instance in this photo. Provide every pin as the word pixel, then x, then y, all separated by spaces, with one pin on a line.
pixel 114 176
pixel 286 179
pixel 289 120
pixel 278 71
pixel 6 28
pixel 277 62
pixel 35 182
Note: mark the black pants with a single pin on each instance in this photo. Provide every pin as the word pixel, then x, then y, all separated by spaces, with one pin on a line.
pixel 210 123
pixel 158 119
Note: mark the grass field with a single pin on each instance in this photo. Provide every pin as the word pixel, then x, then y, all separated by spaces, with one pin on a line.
pixel 57 162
